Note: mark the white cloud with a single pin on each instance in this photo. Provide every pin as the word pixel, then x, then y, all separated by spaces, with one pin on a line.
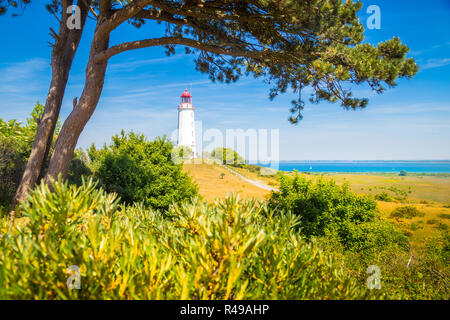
pixel 20 77
pixel 435 63
pixel 426 107
pixel 132 65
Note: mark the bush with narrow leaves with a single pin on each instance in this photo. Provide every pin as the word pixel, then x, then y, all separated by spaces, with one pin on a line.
pixel 229 249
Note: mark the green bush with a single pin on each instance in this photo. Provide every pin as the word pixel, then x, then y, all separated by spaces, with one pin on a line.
pixel 16 140
pixel 228 156
pixel 12 165
pixel 444 215
pixel 181 153
pixel 407 212
pixel 384 196
pixel 230 249
pixel 322 205
pixel 327 209
pixel 141 171
pixel 79 168
pixel 370 237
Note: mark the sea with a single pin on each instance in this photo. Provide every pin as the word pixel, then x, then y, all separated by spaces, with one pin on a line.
pixel 442 166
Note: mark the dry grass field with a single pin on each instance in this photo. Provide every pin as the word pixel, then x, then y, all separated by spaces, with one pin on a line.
pixel 429 194
pixel 430 188
pixel 212 185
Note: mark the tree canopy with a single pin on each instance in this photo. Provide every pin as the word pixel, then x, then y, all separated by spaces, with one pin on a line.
pixel 15 4
pixel 292 44
pixel 141 171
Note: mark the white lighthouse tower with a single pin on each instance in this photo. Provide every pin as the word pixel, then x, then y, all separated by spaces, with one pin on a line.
pixel 186 129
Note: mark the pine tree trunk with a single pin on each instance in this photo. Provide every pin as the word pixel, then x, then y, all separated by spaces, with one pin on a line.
pixel 66 45
pixel 82 112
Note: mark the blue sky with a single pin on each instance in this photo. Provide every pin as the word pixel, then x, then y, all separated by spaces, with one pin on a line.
pixel 142 90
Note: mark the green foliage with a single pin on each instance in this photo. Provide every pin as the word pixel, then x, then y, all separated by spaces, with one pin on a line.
pixel 327 209
pixel 230 249
pixel 444 215
pixel 371 237
pixel 403 173
pixel 228 156
pixel 141 171
pixel 397 194
pixel 12 164
pixel 16 140
pixel 181 153
pixel 15 4
pixel 407 212
pixel 294 45
pixel 79 168
pixel 322 204
pixel 315 44
pixel 383 196
pixel 426 277
pixel 262 171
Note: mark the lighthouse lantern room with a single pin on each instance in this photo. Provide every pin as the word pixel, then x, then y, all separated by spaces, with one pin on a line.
pixel 186 128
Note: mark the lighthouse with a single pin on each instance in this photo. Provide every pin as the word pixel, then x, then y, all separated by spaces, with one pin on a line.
pixel 186 129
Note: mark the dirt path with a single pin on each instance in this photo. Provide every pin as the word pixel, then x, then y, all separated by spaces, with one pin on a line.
pixel 253 182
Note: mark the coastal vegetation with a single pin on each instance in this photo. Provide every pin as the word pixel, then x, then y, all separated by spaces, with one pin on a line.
pixel 131 221
pixel 227 249
pixel 143 171
pixel 136 238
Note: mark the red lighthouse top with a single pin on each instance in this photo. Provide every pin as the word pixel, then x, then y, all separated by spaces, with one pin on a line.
pixel 186 94
pixel 186 97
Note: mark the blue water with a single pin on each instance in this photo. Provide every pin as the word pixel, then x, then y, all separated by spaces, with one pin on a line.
pixel 363 166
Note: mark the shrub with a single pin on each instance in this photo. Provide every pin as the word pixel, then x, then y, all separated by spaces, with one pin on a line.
pixel 16 140
pixel 407 212
pixel 383 196
pixel 414 226
pixel 79 168
pixel 322 205
pixel 374 236
pixel 334 212
pixel 141 171
pixel 444 215
pixel 12 165
pixel 181 153
pixel 230 249
pixel 403 173
pixel 228 156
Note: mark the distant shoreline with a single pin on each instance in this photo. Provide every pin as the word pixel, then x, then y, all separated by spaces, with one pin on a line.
pixel 363 161
pixel 364 166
